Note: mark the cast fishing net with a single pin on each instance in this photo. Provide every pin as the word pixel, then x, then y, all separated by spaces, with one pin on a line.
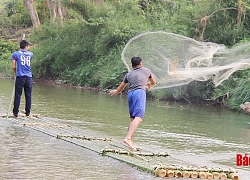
pixel 177 60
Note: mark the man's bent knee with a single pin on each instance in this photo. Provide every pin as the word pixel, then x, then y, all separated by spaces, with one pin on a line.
pixel 138 119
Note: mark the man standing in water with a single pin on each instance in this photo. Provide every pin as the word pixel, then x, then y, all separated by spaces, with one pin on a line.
pixel 21 66
pixel 138 81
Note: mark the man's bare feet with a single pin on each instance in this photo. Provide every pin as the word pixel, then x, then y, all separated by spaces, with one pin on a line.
pixel 129 143
pixel 136 147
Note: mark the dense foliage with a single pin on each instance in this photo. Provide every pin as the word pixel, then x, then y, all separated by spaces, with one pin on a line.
pixel 6 48
pixel 86 49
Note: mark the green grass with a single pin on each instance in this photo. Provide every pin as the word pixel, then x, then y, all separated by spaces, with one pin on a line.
pixel 2 5
pixel 4 1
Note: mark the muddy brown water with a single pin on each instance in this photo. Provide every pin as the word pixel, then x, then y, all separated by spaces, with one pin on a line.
pixel 196 135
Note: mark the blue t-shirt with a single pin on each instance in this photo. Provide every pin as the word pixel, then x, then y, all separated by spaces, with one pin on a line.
pixel 23 59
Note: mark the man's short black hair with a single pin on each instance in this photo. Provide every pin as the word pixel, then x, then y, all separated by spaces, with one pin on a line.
pixel 136 60
pixel 24 43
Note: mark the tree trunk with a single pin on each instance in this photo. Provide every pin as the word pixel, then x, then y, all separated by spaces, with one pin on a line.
pixel 98 1
pixel 52 10
pixel 64 14
pixel 57 10
pixel 33 13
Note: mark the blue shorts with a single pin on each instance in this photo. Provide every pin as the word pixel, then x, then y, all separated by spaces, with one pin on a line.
pixel 137 103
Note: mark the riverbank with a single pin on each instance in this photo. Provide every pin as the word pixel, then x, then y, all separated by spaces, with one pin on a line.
pixel 65 84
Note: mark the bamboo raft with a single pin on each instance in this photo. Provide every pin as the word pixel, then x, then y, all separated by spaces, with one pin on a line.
pixel 194 172
pixel 160 164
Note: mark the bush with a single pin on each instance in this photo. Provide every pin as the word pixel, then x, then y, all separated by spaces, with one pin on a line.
pixel 6 49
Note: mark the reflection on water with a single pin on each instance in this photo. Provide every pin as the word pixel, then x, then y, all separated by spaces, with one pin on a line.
pixel 199 135
pixel 27 154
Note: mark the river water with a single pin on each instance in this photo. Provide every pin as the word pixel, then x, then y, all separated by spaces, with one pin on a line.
pixel 194 134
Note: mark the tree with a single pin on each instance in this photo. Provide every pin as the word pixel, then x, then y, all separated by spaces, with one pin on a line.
pixel 33 13
pixel 57 10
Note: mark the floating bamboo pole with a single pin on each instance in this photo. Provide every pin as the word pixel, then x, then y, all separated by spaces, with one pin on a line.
pixel 106 150
pixel 194 174
pixel 234 176
pixel 161 173
pixel 178 173
pixel 202 175
pixel 20 115
pixel 46 125
pixel 170 173
pixel 58 136
pixel 216 175
pixel 209 175
pixel 186 174
pixel 124 152
pixel 223 175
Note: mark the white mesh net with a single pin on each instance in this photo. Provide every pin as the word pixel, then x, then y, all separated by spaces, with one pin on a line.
pixel 176 60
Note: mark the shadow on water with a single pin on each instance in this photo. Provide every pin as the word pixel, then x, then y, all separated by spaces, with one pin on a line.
pixel 197 135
